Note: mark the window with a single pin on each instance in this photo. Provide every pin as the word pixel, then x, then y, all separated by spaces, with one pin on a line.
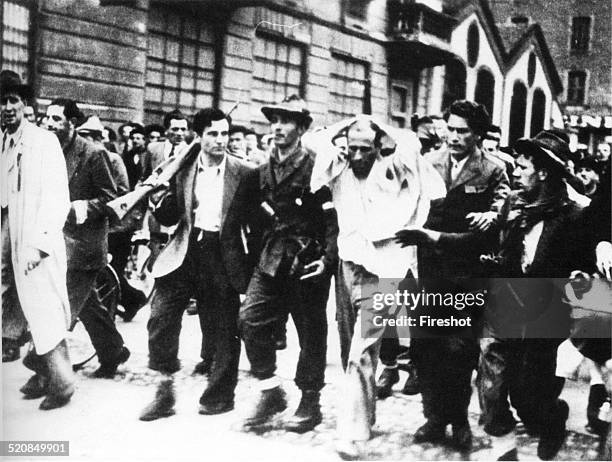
pixel 349 88
pixel 180 64
pixel 278 71
pixel 402 102
pixel 473 45
pixel 581 29
pixel 357 8
pixel 576 82
pixel 16 38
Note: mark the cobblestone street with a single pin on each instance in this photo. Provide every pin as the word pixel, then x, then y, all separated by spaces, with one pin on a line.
pixel 102 423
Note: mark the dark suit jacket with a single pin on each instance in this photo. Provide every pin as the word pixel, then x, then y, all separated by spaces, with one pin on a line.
pixel 530 304
pixel 240 202
pixel 90 178
pixel 481 186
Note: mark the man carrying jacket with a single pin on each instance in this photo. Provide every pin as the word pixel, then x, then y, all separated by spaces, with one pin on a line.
pixel 91 186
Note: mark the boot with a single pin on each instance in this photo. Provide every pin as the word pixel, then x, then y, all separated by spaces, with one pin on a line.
pixel 384 385
pixel 270 402
pixel 163 403
pixel 308 414
pixel 36 387
pixel 430 432
pixel 61 378
pixel 553 437
pixel 462 435
pixel 597 396
pixel 108 369
pixel 411 387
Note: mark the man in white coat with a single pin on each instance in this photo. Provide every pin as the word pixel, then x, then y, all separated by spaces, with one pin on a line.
pixel 380 186
pixel 35 203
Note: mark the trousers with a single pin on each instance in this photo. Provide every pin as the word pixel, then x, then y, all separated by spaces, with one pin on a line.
pixel 522 370
pixel 201 275
pixel 268 301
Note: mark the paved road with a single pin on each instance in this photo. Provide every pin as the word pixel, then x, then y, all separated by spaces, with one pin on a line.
pixel 102 423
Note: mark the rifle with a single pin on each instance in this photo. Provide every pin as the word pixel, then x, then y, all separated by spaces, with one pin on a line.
pixel 162 174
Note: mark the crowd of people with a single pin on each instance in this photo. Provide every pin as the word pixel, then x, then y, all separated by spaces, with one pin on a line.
pixel 252 229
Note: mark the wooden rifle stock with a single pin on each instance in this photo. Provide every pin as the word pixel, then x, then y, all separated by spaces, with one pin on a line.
pixel 162 174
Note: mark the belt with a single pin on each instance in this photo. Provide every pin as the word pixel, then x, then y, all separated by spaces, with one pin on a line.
pixel 203 235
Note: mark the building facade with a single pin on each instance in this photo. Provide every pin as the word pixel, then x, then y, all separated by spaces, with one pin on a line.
pixel 579 35
pixel 136 59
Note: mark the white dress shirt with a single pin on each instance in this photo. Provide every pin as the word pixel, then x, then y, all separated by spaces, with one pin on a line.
pixel 208 196
pixel 10 143
pixel 457 166
pixel 530 245
pixel 168 148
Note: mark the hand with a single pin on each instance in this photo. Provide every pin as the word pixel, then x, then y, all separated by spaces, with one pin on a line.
pixel 416 236
pixel 481 221
pixel 603 256
pixel 314 269
pixel 160 191
pixel 32 257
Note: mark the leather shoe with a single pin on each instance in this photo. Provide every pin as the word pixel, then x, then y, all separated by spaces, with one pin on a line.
pixel 411 387
pixel 202 368
pixel 36 387
pixel 107 370
pixel 553 438
pixel 57 399
pixel 308 414
pixel 430 432
pixel 163 403
pixel 216 408
pixel 384 386
pixel 270 402
pixel 462 436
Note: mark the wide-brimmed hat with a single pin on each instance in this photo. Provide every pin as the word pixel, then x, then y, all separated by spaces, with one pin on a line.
pixel 292 105
pixel 10 82
pixel 91 125
pixel 546 144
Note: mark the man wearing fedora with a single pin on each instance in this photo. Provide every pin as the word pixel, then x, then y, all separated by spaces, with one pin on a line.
pixel 293 275
pixel 35 202
pixel 526 318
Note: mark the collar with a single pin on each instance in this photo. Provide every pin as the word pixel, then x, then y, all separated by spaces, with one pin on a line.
pixel 16 137
pixel 220 168
pixel 294 159
pixel 168 147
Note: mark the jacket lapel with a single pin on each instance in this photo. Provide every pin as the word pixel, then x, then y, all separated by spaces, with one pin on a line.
pixel 471 169
pixel 548 231
pixel 73 156
pixel 188 182
pixel 230 185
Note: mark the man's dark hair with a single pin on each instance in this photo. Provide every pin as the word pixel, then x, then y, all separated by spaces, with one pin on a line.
pixel 173 115
pixel 137 129
pixel 250 131
pixel 238 129
pixel 475 114
pixel 205 117
pixel 112 136
pixel 417 120
pixel 71 110
pixel 154 128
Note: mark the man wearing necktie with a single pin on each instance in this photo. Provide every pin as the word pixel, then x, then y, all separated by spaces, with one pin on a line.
pixel 35 202
pixel 210 202
pixel 458 230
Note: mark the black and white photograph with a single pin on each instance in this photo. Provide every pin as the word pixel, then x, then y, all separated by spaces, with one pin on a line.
pixel 299 230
